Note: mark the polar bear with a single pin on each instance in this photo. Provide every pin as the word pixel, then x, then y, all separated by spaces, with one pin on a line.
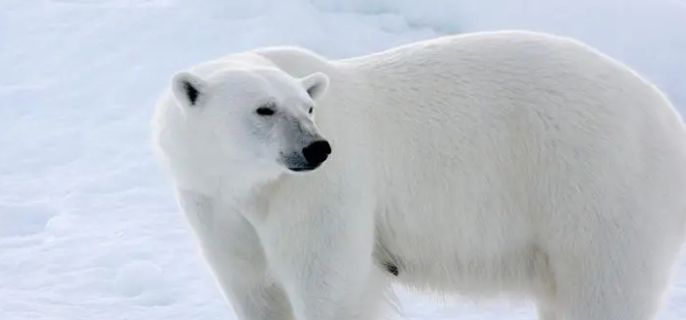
pixel 487 164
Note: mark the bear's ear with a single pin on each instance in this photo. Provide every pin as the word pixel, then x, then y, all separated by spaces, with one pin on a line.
pixel 315 84
pixel 189 89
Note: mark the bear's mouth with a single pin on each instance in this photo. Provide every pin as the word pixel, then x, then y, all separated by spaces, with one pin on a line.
pixel 303 168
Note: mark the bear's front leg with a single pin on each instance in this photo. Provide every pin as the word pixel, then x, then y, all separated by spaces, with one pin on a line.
pixel 323 259
pixel 232 249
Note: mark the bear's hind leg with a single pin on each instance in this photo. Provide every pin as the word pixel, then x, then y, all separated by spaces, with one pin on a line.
pixel 614 285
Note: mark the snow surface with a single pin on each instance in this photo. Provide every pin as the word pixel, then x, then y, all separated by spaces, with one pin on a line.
pixel 89 228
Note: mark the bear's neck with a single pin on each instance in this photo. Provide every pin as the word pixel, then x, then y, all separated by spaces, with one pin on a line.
pixel 234 186
pixel 252 201
pixel 241 189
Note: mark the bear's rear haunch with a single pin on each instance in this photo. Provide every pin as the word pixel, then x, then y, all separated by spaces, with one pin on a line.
pixel 481 164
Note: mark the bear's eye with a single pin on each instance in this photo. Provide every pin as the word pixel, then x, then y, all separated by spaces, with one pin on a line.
pixel 310 111
pixel 266 110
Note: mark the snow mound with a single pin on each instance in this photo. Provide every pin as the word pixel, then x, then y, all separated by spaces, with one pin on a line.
pixel 137 277
pixel 61 225
pixel 24 220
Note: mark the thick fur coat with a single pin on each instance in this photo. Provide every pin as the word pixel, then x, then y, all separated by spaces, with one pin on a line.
pixel 481 164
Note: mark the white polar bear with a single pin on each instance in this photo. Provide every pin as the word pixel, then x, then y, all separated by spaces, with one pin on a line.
pixel 490 163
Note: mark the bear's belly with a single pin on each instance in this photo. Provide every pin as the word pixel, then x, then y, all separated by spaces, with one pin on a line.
pixel 463 257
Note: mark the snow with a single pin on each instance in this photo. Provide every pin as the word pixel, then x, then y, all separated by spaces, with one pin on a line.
pixel 89 228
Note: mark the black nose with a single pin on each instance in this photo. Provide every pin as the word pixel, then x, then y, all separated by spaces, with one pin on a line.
pixel 317 152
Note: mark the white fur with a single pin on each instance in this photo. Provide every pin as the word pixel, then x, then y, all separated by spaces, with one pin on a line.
pixel 491 163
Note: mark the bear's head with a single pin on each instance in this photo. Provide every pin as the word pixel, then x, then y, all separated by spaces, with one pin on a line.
pixel 254 119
